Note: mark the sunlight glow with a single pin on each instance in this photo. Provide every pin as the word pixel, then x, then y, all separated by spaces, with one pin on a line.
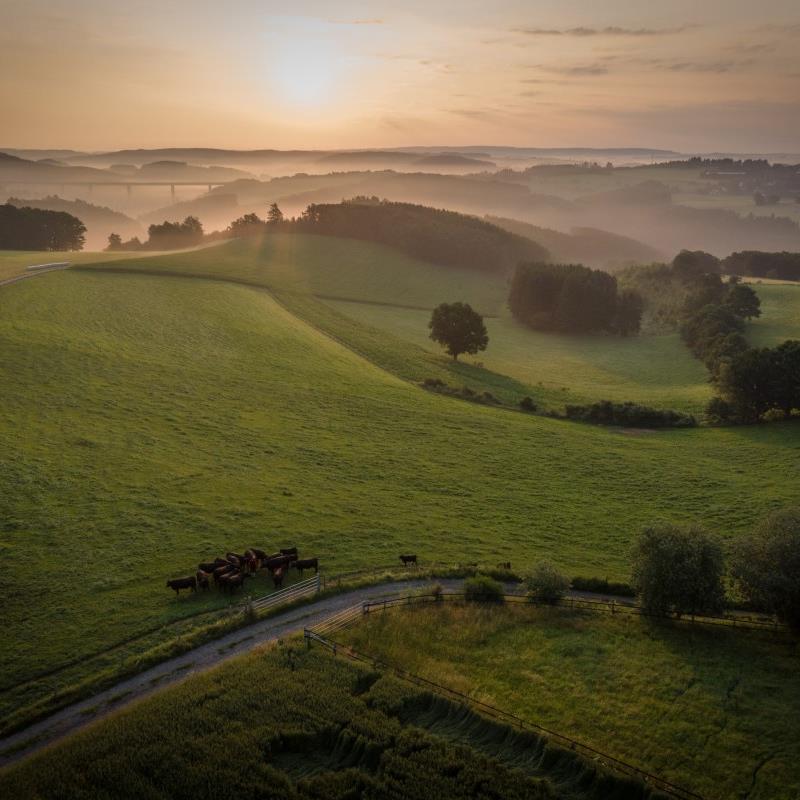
pixel 306 72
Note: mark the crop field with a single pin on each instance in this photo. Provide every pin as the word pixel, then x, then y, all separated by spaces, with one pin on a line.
pixel 714 710
pixel 741 204
pixel 149 423
pixel 291 723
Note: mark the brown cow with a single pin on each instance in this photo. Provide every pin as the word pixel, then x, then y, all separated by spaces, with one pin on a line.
pixel 220 571
pixel 278 562
pixel 202 579
pixel 307 563
pixel 277 577
pixel 189 582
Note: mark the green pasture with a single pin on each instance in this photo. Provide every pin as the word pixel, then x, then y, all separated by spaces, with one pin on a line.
pixel 393 293
pixel 148 423
pixel 286 723
pixel 714 710
pixel 780 313
pixel 654 370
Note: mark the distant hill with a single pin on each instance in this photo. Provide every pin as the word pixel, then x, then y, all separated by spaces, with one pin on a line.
pixel 99 220
pixel 590 246
pixel 215 211
pixel 441 237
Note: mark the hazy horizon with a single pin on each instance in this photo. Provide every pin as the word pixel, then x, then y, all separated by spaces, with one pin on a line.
pixel 721 77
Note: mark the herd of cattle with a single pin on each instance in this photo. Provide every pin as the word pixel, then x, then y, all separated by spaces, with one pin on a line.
pixel 229 573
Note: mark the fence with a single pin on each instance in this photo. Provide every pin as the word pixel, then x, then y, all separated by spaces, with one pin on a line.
pixel 320 634
pixel 739 621
pixel 300 589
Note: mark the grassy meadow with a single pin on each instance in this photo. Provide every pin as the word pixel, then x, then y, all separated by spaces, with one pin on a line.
pixel 390 292
pixel 150 423
pixel 780 314
pixel 714 710
pixel 294 724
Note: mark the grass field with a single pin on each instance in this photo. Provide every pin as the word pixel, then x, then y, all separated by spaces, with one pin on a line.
pixel 715 710
pixel 558 369
pixel 300 725
pixel 149 423
pixel 780 314
pixel 393 293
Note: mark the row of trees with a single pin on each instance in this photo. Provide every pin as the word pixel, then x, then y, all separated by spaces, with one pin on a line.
pixel 683 570
pixel 758 264
pixel 25 228
pixel 166 236
pixel 574 299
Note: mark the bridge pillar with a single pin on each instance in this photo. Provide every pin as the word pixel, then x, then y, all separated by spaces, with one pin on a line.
pixel 172 191
pixel 129 187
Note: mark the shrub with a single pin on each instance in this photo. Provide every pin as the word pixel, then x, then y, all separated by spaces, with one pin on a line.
pixel 720 411
pixel 433 383
pixel 678 570
pixel 527 404
pixel 483 589
pixel 546 584
pixel 629 414
pixel 766 566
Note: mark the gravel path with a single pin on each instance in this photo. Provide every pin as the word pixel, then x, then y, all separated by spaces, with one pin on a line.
pixel 33 274
pixel 80 714
pixel 74 717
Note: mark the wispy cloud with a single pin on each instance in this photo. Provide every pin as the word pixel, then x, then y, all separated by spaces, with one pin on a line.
pixel 610 30
pixel 578 70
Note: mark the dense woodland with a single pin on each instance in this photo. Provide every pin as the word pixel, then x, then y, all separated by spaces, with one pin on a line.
pixel 24 228
pixel 758 264
pixel 574 299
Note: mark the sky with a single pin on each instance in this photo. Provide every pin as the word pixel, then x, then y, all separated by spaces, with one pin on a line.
pixel 699 76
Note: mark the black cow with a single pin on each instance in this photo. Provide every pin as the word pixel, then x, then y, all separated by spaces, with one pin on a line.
pixel 307 563
pixel 290 552
pixel 409 559
pixel 189 582
pixel 278 562
pixel 202 579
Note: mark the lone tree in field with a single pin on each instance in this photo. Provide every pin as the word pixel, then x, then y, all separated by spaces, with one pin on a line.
pixel 458 328
pixel 274 215
pixel 766 566
pixel 678 570
pixel 114 242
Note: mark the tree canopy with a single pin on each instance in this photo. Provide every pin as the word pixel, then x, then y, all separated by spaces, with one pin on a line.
pixel 572 298
pixel 25 228
pixel 678 570
pixel 458 328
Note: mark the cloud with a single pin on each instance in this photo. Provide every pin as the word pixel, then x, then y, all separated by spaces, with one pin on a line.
pixel 611 30
pixel 578 70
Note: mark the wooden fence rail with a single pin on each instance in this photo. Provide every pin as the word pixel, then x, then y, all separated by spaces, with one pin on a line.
pixel 303 588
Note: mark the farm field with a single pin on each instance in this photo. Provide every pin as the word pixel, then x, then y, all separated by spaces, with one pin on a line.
pixel 741 204
pixel 286 722
pixel 150 423
pixel 714 710
pixel 655 370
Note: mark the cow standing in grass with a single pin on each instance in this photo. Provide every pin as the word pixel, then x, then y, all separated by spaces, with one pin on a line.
pixel 307 563
pixel 409 559
pixel 188 582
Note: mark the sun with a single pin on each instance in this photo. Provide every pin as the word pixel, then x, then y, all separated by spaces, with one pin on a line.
pixel 306 73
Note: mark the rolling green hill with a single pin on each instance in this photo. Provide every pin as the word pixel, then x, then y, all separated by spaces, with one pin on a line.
pixel 780 314
pixel 150 422
pixel 395 294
